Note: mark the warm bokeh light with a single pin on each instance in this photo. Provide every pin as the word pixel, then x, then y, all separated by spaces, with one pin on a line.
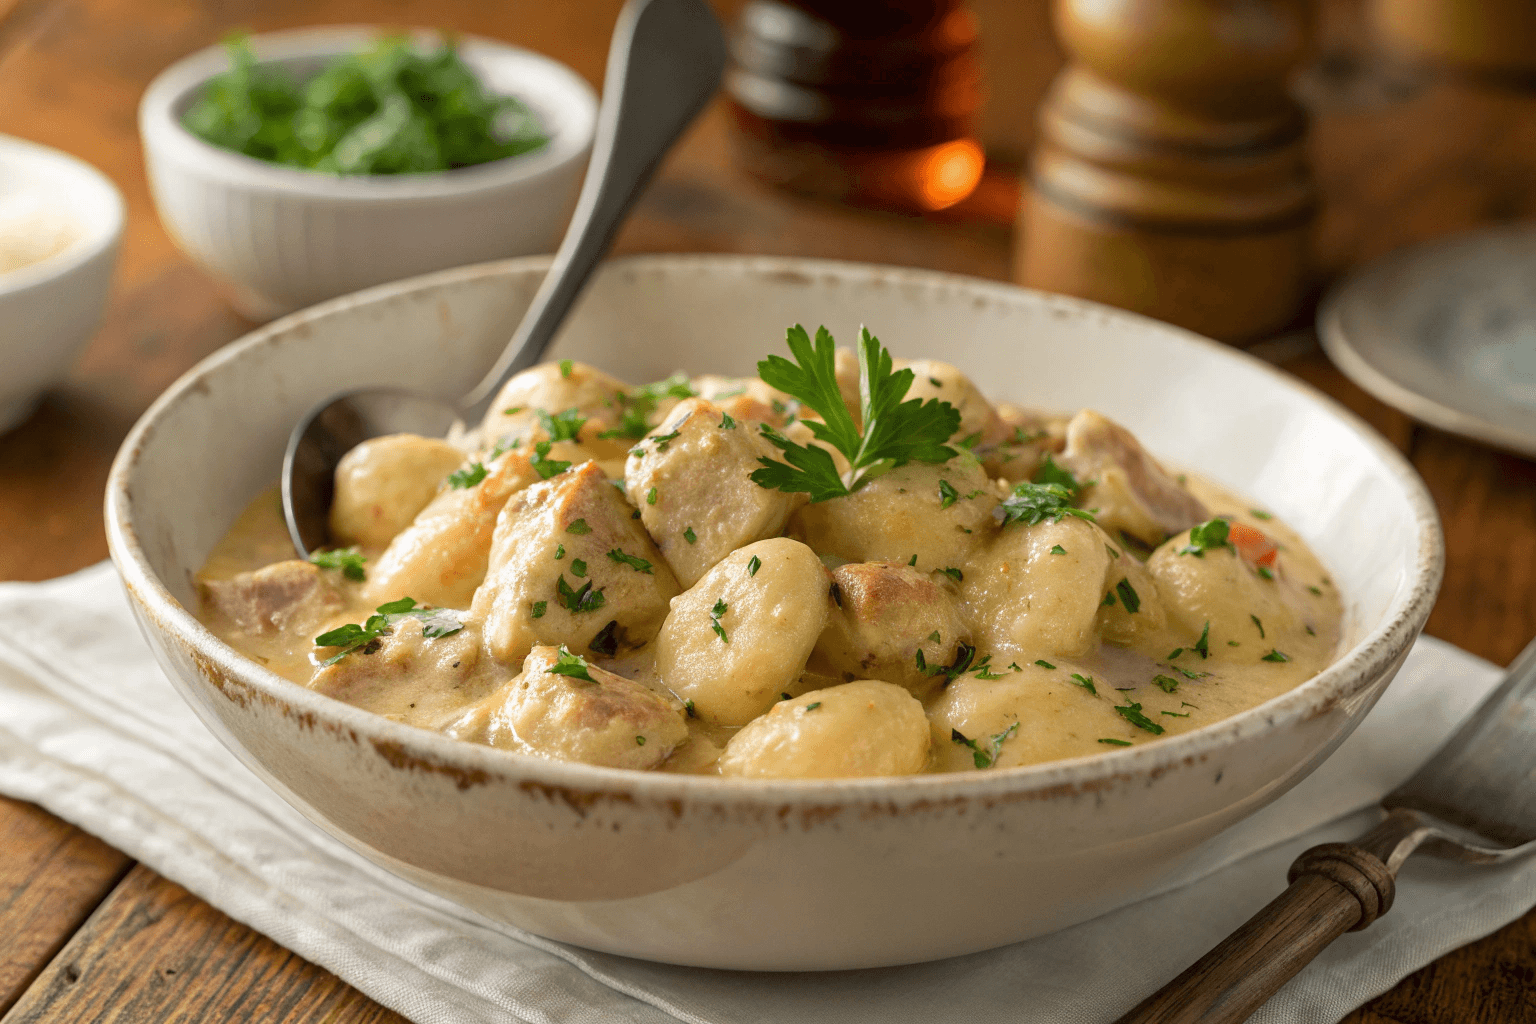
pixel 948 172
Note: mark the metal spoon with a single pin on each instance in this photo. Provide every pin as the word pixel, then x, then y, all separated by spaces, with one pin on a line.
pixel 664 65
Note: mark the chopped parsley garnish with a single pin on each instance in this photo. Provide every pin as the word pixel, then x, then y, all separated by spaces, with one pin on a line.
pixel 1167 684
pixel 1259 624
pixel 1050 473
pixel 559 552
pixel 545 466
pixel 1316 591
pixel 606 642
pixel 984 758
pixel 563 426
pixel 726 423
pixel 935 382
pixel 912 561
pixel 435 623
pixel 1174 714
pixel 1128 596
pixel 1260 514
pixel 1266 572
pixel 935 637
pixel 811 706
pixel 639 741
pixel 1210 535
pixel 1203 645
pixel 348 560
pixel 1057 549
pixel 1311 631
pixel 1015 666
pixel 463 479
pixel 1086 682
pixel 895 432
pixel 690 709
pixel 987 673
pixel 635 563
pixel 970 441
pixel 650 496
pixel 754 565
pixel 962 663
pixel 1109 599
pixel 690 536
pixel 1032 504
pixel 565 368
pixel 539 608
pixel 1274 655
pixel 714 620
pixel 1132 713
pixel 1117 743
pixel 953 573
pixel 578 568
pixel 584 600
pixel 1186 673
pixel 662 440
pixel 1046 664
pixel 572 666
pixel 947 494
pixel 579 527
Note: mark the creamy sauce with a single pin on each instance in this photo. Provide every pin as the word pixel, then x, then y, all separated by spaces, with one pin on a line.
pixel 741 621
pixel 31 231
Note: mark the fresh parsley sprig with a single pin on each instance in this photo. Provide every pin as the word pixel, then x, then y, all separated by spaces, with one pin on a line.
pixel 1032 504
pixel 896 430
pixel 435 622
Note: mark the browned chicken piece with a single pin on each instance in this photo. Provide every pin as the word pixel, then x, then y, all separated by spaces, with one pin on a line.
pixel 1128 489
pixel 885 617
pixel 593 716
pixel 410 677
pixel 570 564
pixel 384 482
pixel 1029 437
pixel 692 482
pixel 282 596
pixel 441 558
pixel 554 388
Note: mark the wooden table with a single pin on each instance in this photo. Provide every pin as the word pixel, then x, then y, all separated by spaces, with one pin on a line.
pixel 86 934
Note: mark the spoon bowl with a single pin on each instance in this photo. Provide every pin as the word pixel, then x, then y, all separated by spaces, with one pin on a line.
pixel 664 65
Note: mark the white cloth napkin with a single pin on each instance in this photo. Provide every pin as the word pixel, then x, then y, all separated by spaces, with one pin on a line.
pixel 92 730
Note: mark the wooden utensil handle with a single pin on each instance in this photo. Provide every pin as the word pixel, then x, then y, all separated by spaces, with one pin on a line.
pixel 1335 888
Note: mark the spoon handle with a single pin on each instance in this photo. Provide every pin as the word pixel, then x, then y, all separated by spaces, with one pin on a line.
pixel 664 65
pixel 1335 888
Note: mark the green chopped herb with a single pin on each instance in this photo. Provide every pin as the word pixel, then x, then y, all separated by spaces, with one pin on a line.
pixel 572 666
pixel 690 709
pixel 1045 664
pixel 1203 645
pixel 947 494
pixel 987 673
pixel 1186 673
pixel 650 496
pixel 503 445
pixel 1112 552
pixel 1167 684
pixel 1316 591
pixel 634 562
pixel 934 637
pixel 894 431
pixel 579 528
pixel 811 706
pixel 578 567
pixel 1050 473
pixel 1128 596
pixel 1132 713
pixel 1086 682
pixel 1057 549
pixel 565 368
pixel 559 552
pixel 935 382
pixel 584 600
pixel 970 441
pixel 913 560
pixel 539 608
pixel 1274 655
pixel 1109 599
pixel 1175 653
pixel 690 536
pixel 1032 504
pixel 1311 631
pixel 463 479
pixel 1259 514
pixel 395 107
pixel 953 573
pixel 1210 535
pixel 348 560
pixel 435 623
pixel 639 741
pixel 1259 624
pixel 726 423
pixel 714 620
pixel 1117 743
pixel 545 466
pixel 1174 714
pixel 922 662
pixel 984 758
pixel 1233 643
pixel 1266 572
pixel 564 426
pixel 606 642
pixel 1015 666
pixel 512 410
pixel 754 565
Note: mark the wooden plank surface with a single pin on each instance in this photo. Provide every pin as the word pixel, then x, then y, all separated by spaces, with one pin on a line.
pixel 1400 156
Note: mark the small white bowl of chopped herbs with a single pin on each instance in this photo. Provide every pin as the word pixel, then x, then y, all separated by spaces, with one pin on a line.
pixel 300 165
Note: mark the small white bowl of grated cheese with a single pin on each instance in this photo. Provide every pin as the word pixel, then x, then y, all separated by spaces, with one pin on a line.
pixel 60 224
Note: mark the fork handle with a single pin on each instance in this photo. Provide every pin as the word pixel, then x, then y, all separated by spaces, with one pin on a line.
pixel 1335 888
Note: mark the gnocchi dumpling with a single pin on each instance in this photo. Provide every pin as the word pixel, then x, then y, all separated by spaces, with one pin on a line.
pixel 384 482
pixel 862 728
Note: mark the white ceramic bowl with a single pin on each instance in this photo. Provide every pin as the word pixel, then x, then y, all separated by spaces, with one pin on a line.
pixel 744 873
pixel 50 309
pixel 279 238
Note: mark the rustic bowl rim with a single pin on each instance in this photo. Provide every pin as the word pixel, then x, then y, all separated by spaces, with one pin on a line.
pixel 1360 667
pixel 96 237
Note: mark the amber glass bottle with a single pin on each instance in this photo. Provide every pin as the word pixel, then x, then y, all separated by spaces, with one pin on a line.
pixel 872 103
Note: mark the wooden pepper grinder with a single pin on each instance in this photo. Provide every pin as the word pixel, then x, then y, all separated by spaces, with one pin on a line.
pixel 1170 177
